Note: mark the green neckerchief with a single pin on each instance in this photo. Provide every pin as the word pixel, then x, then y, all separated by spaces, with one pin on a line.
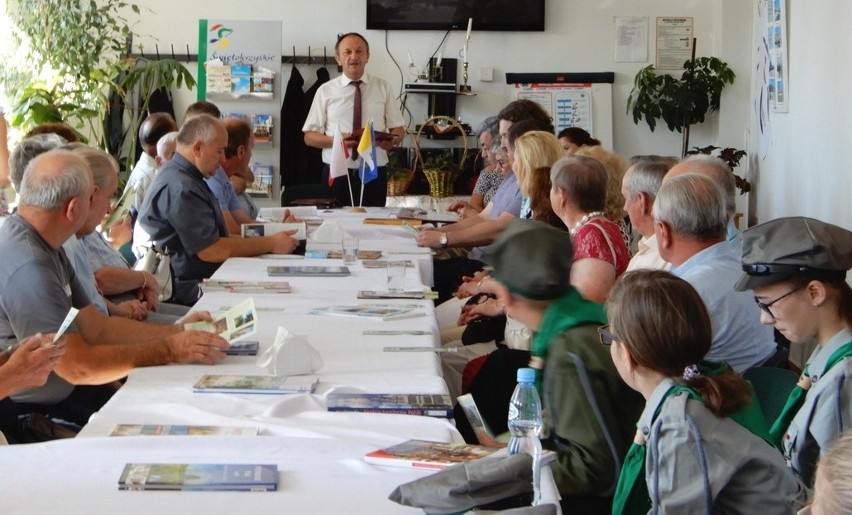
pixel 798 394
pixel 562 314
pixel 631 493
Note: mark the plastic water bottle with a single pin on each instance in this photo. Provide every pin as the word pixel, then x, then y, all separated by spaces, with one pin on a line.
pixel 525 425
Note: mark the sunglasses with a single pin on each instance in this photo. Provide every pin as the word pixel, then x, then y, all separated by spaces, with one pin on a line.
pixel 606 336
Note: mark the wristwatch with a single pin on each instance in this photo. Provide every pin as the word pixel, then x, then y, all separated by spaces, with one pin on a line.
pixel 443 240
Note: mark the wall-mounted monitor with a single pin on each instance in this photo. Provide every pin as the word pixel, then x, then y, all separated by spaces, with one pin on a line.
pixel 495 15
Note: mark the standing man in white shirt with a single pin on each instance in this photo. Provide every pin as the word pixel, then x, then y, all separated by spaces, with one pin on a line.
pixel 350 102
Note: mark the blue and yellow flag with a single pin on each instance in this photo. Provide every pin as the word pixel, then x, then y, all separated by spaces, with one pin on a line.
pixel 367 150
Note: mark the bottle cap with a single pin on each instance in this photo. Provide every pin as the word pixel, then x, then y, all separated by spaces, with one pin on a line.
pixel 526 375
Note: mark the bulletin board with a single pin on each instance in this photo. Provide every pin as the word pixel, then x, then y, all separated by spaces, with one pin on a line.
pixel 573 99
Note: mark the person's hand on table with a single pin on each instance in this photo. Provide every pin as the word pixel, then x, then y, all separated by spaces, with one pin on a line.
pixel 429 238
pixel 197 347
pixel 283 243
pixel 132 309
pixel 149 293
pixel 289 218
pixel 458 206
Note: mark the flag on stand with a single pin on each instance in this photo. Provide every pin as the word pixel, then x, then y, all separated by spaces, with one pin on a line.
pixel 337 167
pixel 367 150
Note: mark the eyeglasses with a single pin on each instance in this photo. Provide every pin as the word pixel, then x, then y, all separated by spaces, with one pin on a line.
pixel 606 336
pixel 765 306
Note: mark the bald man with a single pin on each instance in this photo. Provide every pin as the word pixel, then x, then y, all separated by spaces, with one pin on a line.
pixel 40 286
pixel 182 215
pixel 719 172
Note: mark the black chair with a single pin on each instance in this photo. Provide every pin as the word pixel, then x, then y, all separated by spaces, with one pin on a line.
pixel 772 386
pixel 291 194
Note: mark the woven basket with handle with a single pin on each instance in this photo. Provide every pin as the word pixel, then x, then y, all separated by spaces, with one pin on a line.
pixel 440 181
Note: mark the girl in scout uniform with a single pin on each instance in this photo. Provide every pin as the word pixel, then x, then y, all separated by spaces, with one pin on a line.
pixel 700 445
pixel 797 269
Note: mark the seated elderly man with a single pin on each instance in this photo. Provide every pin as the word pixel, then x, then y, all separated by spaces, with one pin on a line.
pixel 236 166
pixel 718 171
pixel 40 287
pixel 639 187
pixel 115 289
pixel 181 214
pixel 690 222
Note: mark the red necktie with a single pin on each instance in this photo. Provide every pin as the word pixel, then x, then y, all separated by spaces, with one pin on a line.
pixel 356 113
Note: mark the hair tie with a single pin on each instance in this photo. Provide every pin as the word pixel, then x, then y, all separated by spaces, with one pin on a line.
pixel 690 372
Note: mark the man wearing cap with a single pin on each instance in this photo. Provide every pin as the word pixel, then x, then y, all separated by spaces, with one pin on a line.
pixel 689 222
pixel 797 269
pixel 589 429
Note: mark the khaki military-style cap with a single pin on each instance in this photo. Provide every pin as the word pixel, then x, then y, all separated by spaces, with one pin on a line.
pixel 533 260
pixel 795 246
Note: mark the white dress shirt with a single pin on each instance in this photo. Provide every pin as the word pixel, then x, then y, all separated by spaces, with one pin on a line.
pixel 334 103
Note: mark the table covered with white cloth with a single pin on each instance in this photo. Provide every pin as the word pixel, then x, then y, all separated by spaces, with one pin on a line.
pixel 319 454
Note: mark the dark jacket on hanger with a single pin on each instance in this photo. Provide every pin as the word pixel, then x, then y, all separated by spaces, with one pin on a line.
pixel 292 138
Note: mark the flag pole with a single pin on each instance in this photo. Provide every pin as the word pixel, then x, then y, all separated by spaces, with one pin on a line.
pixel 361 200
pixel 349 182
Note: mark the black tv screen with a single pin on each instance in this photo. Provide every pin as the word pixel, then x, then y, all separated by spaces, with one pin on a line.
pixel 502 15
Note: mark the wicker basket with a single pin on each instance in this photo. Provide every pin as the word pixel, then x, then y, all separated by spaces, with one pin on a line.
pixel 397 186
pixel 440 181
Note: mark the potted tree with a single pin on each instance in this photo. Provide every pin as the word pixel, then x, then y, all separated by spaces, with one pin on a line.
pixel 683 102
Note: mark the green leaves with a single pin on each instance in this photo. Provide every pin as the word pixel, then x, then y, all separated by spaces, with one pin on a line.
pixel 679 102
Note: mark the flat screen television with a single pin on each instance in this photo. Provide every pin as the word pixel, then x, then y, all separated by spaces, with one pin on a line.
pixel 494 15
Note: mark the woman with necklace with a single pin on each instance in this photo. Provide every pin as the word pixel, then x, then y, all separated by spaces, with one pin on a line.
pixel 578 196
pixel 797 269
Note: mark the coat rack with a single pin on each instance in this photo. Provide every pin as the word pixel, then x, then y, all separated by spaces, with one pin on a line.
pixel 187 57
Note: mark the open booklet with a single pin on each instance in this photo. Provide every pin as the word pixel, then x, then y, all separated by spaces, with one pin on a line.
pixel 268 228
pixel 121 208
pixel 238 322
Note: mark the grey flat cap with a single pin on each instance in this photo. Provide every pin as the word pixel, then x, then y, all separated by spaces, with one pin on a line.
pixel 795 246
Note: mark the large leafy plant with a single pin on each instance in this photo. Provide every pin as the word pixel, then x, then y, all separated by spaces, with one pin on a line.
pixel 683 102
pixel 75 54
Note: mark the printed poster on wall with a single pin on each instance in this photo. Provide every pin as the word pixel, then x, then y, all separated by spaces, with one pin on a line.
pixel 570 105
pixel 674 42
pixel 776 37
pixel 238 57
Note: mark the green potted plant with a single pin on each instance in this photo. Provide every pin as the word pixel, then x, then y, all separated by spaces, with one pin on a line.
pixel 76 55
pixel 441 172
pixel 683 102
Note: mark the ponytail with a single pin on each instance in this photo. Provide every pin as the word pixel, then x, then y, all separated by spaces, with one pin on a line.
pixel 722 393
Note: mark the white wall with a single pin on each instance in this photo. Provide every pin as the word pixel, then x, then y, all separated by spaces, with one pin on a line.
pixel 578 38
pixel 806 169
pixel 802 172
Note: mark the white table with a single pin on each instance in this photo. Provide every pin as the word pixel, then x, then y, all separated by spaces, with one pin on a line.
pixel 393 241
pixel 319 454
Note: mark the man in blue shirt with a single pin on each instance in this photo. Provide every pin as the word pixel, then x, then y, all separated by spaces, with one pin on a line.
pixel 690 224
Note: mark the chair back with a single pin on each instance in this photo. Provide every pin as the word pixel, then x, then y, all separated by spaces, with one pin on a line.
pixel 772 386
pixel 291 195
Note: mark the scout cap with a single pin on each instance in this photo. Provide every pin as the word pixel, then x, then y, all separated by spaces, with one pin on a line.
pixel 795 246
pixel 533 260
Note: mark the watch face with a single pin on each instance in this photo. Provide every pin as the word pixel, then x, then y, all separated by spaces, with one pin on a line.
pixel 443 238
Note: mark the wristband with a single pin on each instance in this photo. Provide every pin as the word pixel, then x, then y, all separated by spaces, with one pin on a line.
pixel 144 281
